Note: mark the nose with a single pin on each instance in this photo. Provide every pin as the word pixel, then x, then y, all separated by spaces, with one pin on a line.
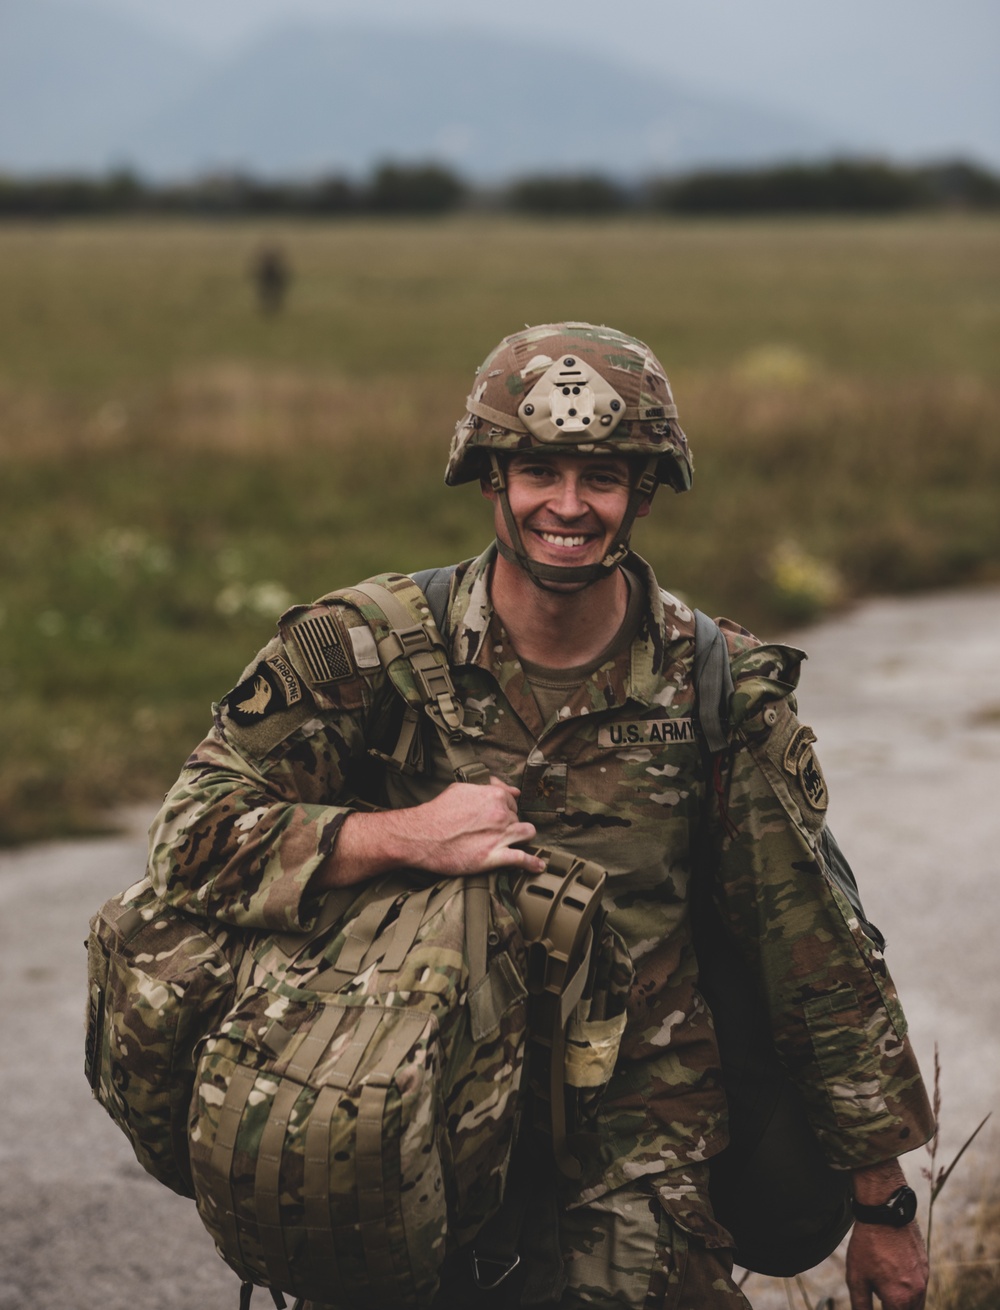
pixel 565 499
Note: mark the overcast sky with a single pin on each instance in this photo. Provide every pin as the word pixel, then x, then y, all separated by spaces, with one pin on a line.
pixel 914 77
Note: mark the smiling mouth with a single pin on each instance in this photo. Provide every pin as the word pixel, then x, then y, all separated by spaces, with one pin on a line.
pixel 564 540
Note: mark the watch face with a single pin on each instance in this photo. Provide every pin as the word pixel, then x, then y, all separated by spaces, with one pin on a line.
pixel 904 1206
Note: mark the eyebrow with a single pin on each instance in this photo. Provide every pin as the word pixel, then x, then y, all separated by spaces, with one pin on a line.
pixel 617 462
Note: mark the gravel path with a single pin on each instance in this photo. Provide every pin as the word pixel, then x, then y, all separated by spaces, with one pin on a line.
pixel 904 697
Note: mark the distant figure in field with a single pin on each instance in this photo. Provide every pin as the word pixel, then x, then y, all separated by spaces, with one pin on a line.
pixel 271 275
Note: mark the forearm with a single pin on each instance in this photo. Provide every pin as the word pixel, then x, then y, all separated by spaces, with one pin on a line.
pixel 466 829
pixel 368 845
pixel 874 1184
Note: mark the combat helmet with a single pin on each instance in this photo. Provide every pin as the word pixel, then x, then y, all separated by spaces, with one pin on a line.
pixel 571 387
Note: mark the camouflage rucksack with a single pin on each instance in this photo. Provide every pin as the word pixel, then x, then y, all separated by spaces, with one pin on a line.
pixel 350 1096
pixel 157 979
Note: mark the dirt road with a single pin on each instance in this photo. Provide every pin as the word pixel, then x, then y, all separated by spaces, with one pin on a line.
pixel 905 699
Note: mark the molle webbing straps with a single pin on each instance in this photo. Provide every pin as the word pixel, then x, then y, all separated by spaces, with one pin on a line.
pixel 420 645
pixel 224 1148
pixel 336 903
pixel 316 1181
pixel 410 1024
pixel 267 1182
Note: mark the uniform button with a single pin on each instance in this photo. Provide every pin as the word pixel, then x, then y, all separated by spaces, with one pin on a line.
pixel 770 716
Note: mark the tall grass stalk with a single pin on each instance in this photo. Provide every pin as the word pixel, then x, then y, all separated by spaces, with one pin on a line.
pixel 937 1178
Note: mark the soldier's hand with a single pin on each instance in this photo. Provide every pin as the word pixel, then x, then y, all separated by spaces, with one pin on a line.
pixel 466 829
pixel 890 1263
pixel 470 829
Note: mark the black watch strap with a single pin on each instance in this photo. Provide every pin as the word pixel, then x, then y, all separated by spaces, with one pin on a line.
pixel 897 1212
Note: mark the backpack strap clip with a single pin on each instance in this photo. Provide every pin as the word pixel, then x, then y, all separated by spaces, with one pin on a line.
pixel 489 1271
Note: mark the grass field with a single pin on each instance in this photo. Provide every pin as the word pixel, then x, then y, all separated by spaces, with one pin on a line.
pixel 175 467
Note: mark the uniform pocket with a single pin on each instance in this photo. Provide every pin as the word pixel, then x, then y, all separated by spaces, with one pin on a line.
pixel 592 1050
pixel 847 1057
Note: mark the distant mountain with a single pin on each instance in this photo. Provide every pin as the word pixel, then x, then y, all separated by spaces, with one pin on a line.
pixel 74 78
pixel 81 88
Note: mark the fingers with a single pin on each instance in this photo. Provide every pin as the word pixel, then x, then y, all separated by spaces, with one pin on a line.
pixel 530 863
pixel 510 855
pixel 861 1296
pixel 470 828
pixel 518 832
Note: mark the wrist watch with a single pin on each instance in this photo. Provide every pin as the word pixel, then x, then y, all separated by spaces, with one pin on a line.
pixel 897 1212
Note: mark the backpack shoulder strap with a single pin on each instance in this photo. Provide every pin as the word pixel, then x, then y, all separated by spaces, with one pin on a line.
pixel 713 681
pixel 436 586
pixel 414 656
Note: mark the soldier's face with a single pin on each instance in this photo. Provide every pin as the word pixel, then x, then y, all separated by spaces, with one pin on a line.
pixel 567 508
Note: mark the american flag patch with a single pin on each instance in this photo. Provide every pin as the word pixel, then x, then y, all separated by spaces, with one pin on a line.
pixel 322 649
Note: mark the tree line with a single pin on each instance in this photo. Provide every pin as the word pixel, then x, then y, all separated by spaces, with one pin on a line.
pixel 840 186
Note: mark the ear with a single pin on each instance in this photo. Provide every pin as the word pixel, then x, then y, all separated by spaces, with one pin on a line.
pixel 486 489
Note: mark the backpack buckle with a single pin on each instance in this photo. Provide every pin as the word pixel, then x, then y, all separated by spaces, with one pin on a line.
pixel 489 1271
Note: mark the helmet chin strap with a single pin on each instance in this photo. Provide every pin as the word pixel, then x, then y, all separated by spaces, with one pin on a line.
pixel 544 575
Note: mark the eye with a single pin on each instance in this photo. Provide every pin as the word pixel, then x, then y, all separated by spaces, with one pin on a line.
pixel 534 470
pixel 605 479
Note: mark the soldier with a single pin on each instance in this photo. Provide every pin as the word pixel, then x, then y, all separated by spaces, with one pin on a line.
pixel 578 670
pixel 271 275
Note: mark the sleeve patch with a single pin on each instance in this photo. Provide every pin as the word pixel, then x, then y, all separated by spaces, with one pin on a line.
pixel 272 686
pixel 289 681
pixel 321 645
pixel 800 761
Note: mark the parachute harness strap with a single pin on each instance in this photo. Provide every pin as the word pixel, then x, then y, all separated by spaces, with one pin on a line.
pixel 542 574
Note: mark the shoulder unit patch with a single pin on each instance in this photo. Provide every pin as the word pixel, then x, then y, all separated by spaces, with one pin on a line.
pixel 800 760
pixel 272 686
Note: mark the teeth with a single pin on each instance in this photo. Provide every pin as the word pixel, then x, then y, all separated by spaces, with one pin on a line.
pixel 555 540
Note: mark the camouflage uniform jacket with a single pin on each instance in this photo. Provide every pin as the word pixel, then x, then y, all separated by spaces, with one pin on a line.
pixel 615 776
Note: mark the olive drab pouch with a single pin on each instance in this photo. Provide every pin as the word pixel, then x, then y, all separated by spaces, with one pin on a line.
pixel 156 979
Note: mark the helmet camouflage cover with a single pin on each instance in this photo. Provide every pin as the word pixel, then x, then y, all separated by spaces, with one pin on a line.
pixel 575 387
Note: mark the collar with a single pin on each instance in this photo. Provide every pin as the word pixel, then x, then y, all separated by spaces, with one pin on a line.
pixel 666 622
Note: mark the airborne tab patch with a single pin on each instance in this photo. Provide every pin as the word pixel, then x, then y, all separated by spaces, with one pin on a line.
pixel 289 682
pixel 645 732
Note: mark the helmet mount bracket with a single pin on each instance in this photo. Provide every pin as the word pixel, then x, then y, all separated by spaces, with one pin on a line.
pixel 571 401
